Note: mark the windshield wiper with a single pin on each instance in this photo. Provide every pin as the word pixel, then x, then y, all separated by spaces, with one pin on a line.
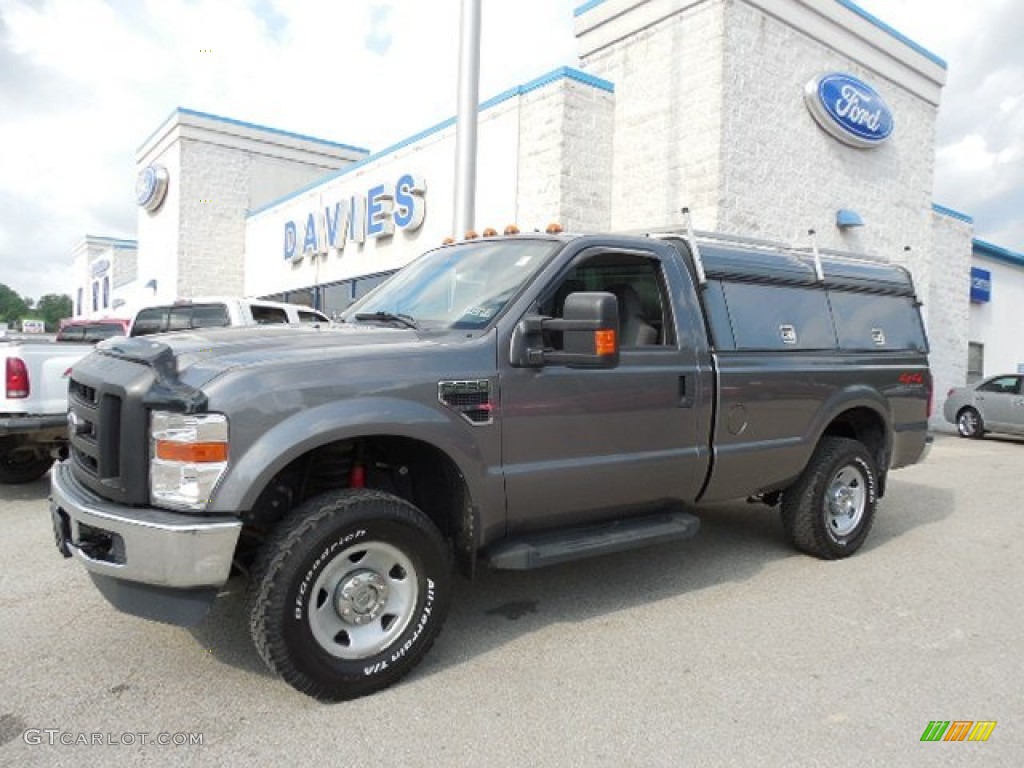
pixel 406 321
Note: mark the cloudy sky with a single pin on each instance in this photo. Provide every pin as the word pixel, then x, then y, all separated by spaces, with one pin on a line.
pixel 84 82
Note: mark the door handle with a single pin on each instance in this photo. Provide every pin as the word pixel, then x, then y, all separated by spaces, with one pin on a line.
pixel 685 397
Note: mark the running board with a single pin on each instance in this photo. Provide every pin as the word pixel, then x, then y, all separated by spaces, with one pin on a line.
pixel 577 543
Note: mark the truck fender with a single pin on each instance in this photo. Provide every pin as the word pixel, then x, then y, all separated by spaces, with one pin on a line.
pixel 850 400
pixel 368 416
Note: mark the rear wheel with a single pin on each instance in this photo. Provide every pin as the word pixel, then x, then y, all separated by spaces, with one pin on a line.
pixel 829 511
pixel 23 467
pixel 969 424
pixel 349 593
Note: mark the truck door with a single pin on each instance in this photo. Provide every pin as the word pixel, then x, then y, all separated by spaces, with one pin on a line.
pixel 579 444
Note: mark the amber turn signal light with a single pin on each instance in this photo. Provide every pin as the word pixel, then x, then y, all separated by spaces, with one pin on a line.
pixel 195 453
pixel 605 342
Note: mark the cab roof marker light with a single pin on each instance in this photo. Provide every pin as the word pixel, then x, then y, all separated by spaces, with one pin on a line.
pixel 554 228
pixel 511 229
pixel 471 235
pixel 490 232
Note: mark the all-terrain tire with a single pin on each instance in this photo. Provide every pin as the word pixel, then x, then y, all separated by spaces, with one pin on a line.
pixel 349 593
pixel 829 510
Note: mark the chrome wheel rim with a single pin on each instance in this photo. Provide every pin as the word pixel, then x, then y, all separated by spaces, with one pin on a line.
pixel 846 501
pixel 968 423
pixel 363 600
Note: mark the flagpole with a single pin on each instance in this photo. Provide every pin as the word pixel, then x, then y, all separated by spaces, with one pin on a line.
pixel 466 121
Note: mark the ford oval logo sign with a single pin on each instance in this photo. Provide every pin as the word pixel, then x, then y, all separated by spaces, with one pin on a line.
pixel 849 109
pixel 151 187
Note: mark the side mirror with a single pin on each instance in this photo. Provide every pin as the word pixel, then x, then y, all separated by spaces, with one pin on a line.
pixel 590 334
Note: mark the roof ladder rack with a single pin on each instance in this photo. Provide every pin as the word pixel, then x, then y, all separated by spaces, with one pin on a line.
pixel 698 262
pixel 819 273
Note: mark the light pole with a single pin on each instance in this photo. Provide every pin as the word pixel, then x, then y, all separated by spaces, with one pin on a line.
pixel 466 121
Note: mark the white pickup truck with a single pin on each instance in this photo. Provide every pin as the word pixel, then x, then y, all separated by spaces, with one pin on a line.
pixel 221 311
pixel 34 408
pixel 34 405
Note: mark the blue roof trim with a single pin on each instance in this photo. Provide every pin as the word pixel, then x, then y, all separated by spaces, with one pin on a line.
pixel 848 4
pixel 586 7
pixel 256 127
pixel 988 250
pixel 118 241
pixel 562 73
pixel 943 210
pixel 892 31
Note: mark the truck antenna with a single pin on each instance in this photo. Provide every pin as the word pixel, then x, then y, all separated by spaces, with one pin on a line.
pixel 819 273
pixel 698 262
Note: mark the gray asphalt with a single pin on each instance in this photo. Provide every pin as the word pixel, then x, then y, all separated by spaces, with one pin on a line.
pixel 728 649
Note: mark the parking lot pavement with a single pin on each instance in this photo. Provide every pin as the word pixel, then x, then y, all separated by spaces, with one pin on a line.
pixel 729 649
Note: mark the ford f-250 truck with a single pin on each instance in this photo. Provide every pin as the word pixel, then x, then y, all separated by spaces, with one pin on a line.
pixel 509 401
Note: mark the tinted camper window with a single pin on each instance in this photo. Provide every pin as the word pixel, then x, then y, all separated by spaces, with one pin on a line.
pixel 268 315
pixel 310 317
pixel 779 317
pixel 867 321
pixel 153 320
pixel 209 316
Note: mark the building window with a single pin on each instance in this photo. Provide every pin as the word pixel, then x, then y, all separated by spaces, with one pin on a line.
pixel 366 284
pixel 336 297
pixel 95 295
pixel 106 292
pixel 304 297
pixel 78 302
pixel 333 298
pixel 975 361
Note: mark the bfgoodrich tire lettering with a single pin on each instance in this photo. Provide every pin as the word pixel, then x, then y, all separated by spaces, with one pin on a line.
pixel 349 593
pixel 829 511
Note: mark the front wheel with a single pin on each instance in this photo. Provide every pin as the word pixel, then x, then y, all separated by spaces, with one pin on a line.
pixel 349 593
pixel 830 509
pixel 23 467
pixel 968 424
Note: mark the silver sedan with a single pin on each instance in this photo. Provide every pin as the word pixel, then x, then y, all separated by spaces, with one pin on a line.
pixel 993 405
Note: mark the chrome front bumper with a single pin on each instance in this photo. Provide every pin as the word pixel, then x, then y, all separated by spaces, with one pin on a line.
pixel 140 544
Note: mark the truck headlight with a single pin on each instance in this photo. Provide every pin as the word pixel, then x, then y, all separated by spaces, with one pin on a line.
pixel 188 455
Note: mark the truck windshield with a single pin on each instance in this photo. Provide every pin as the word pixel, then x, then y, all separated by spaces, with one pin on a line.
pixel 458 286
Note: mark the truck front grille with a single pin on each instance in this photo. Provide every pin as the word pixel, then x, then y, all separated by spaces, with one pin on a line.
pixel 108 447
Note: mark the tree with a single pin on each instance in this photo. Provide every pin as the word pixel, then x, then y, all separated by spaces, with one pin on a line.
pixel 12 306
pixel 53 307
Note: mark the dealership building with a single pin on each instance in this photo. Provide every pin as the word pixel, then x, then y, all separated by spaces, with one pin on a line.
pixel 767 118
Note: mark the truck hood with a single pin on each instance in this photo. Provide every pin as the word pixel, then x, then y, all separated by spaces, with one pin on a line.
pixel 202 355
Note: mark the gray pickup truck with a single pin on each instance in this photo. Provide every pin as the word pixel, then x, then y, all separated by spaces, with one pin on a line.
pixel 511 402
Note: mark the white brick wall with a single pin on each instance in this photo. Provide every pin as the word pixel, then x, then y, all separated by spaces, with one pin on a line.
pixel 565 157
pixel 948 309
pixel 212 205
pixel 668 111
pixel 782 174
